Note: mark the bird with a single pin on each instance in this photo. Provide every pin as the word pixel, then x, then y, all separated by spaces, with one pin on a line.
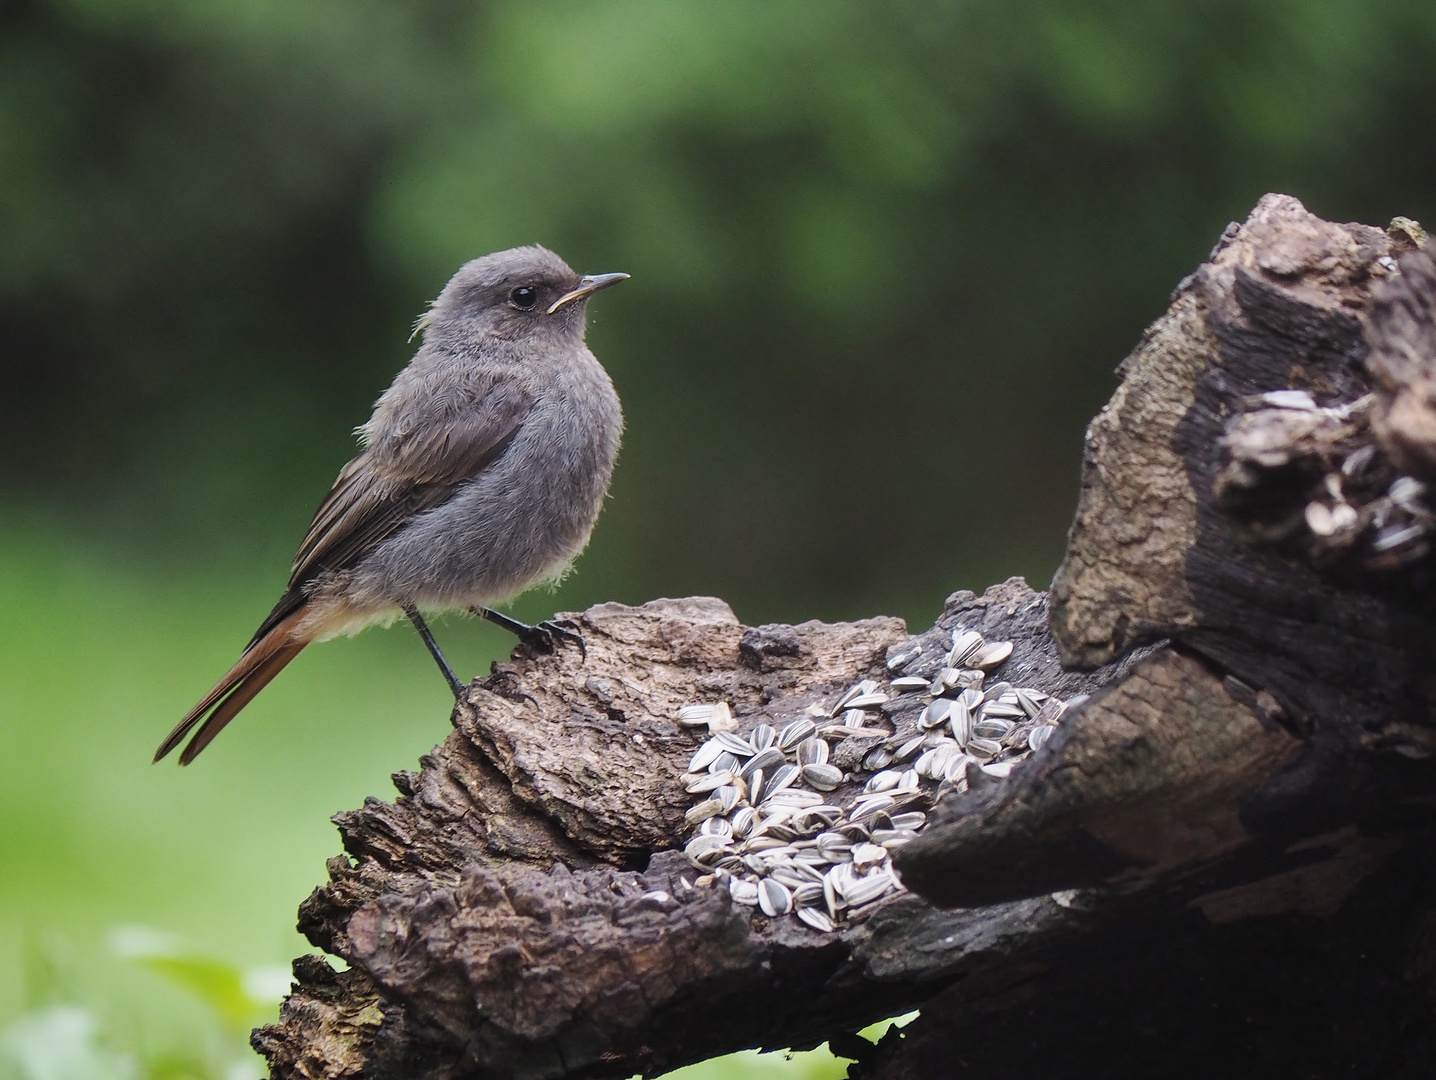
pixel 480 474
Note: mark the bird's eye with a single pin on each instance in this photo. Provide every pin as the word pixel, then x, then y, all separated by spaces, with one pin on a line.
pixel 525 296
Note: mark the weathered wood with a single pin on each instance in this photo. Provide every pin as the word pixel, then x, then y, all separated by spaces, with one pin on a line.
pixel 1258 633
pixel 504 916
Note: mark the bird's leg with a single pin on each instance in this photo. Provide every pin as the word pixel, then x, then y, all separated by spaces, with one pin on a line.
pixel 539 637
pixel 434 650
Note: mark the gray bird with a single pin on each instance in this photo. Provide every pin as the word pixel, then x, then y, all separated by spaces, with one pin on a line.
pixel 482 472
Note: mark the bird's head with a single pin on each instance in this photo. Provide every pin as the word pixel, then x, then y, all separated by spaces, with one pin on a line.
pixel 524 292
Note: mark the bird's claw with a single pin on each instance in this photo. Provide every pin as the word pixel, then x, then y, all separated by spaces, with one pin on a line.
pixel 544 637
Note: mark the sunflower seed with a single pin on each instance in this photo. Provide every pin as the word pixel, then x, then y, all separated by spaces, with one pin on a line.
pixel 898 661
pixel 909 781
pixel 853 718
pixel 913 819
pixel 743 891
pixel 1393 537
pixel 705 782
pixel 934 715
pixel 1000 769
pixel 964 644
pixel 831 899
pixel 894 838
pixel 1030 701
pixel 695 715
pixel 863 890
pixel 817 918
pixel 909 748
pixel 868 701
pixel 908 684
pixel 734 744
pixel 705 756
pixel 954 767
pixel 773 898
pixel 823 777
pixel 794 799
pixel 983 749
pixel 1001 710
pixel 783 776
pixel 961 719
pixel 763 736
pixel 870 805
pixel 868 855
pixel 743 819
pixel 835 847
pixel 705 849
pixel 867 686
pixel 812 752
pixel 703 811
pixel 795 733
pixel 883 781
pixel 764 759
pixel 759 844
pixel 726 762
pixel 755 786
pixel 802 872
pixel 809 893
pixel 1038 736
pixel 716 826
pixel 971 698
pixel 990 727
pixel 995 692
pixel 729 796
pixel 990 655
pixel 879 757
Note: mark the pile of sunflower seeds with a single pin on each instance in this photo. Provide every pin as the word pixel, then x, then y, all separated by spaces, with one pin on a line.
pixel 789 830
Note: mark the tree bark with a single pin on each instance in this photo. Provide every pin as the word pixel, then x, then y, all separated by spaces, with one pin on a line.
pixel 1218 859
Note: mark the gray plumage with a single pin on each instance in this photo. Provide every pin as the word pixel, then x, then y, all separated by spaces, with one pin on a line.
pixel 483 470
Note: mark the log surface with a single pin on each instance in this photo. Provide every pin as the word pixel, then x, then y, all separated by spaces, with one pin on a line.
pixel 1231 825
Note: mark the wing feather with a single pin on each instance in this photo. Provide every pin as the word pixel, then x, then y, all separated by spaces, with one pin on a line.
pixel 400 476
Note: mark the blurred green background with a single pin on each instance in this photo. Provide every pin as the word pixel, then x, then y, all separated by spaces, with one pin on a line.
pixel 885 256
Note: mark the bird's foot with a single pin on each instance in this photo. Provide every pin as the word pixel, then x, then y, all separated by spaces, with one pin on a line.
pixel 503 683
pixel 541 637
pixel 545 636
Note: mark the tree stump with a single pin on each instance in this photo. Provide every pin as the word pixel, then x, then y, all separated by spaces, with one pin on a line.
pixel 1217 862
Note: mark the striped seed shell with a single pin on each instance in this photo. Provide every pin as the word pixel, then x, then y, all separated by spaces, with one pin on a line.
pixel 773 898
pixel 708 782
pixel 990 655
pixel 735 744
pixel 817 918
pixel 695 715
pixel 823 777
pixel 813 751
pixel 764 759
pixel 795 733
pixel 705 756
pixel 703 811
pixel 984 749
pixel 964 644
pixel 883 781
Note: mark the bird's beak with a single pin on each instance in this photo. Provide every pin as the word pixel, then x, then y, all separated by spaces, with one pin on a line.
pixel 587 286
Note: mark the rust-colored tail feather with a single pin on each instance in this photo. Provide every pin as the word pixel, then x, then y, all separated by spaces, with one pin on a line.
pixel 261 662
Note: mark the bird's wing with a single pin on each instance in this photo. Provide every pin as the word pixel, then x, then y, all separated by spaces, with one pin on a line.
pixel 400 476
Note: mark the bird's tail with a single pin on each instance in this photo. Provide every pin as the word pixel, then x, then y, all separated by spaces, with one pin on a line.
pixel 265 658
